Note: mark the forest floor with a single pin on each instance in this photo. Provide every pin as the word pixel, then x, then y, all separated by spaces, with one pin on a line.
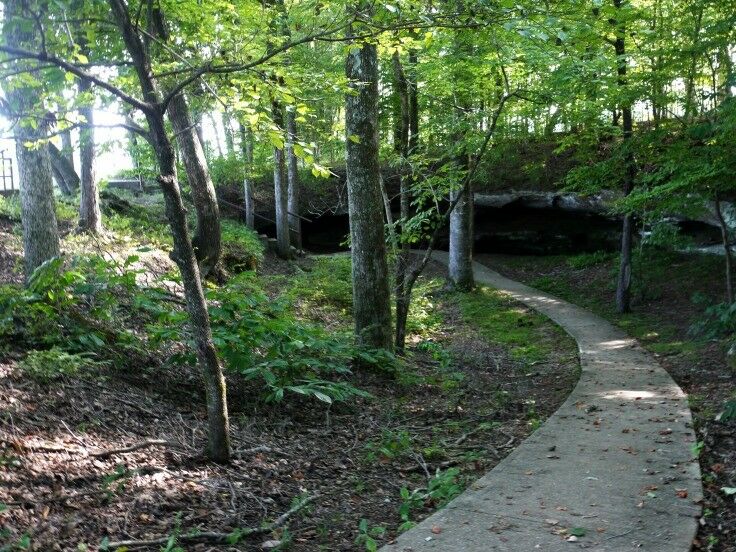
pixel 482 372
pixel 664 313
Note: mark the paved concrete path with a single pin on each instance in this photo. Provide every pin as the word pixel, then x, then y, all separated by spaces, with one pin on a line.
pixel 615 460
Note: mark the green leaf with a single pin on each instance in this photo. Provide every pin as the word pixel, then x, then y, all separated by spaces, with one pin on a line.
pixel 578 531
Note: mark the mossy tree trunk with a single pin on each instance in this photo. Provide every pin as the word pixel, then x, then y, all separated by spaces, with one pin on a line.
pixel 38 213
pixel 371 293
pixel 90 217
pixel 218 447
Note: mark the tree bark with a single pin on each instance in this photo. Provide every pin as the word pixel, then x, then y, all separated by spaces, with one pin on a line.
pixel 38 214
pixel 90 217
pixel 67 177
pixel 207 239
pixel 295 223
pixel 246 145
pixel 183 253
pixel 280 191
pixel 460 265
pixel 207 236
pixel 229 142
pixel 623 287
pixel 726 249
pixel 371 293
pixel 67 148
pixel 402 137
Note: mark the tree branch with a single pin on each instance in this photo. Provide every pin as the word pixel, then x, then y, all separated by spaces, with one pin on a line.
pixel 76 70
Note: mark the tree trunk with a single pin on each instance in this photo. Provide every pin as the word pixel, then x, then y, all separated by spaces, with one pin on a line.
pixel 68 178
pixel 413 103
pixel 460 265
pixel 216 133
pixel 207 237
pixel 67 149
pixel 37 211
pixel 90 217
pixel 402 138
pixel 246 145
pixel 229 142
pixel 280 191
pixel 183 252
pixel 295 223
pixel 623 287
pixel 59 179
pixel 727 250
pixel 371 294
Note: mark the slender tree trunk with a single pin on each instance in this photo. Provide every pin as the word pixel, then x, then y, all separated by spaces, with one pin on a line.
pixel 726 249
pixel 229 141
pixel 68 178
pixel 460 264
pixel 623 287
pixel 216 133
pixel 402 132
pixel 90 217
pixel 67 148
pixel 183 251
pixel 207 236
pixel 280 191
pixel 246 145
pixel 59 179
pixel 371 294
pixel 413 94
pixel 295 223
pixel 38 215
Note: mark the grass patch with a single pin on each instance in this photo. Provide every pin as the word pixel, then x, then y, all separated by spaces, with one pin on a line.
pixel 502 320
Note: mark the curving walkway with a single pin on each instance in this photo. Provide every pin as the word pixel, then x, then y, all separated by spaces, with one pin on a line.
pixel 615 460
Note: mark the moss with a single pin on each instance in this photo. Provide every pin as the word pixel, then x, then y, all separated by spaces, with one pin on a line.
pixel 528 336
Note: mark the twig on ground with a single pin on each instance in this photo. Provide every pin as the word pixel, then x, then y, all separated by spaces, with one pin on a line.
pixel 219 538
pixel 131 448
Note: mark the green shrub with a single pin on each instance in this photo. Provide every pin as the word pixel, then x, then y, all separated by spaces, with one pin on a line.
pixel 441 489
pixel 328 283
pixel 53 364
pixel 718 320
pixel 587 260
pixel 241 247
pixel 260 339
pixel 10 206
pixel 77 304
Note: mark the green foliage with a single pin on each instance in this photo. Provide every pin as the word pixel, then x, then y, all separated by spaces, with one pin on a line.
pixel 10 206
pixel 261 340
pixel 241 247
pixel 718 320
pixel 139 217
pixel 393 444
pixel 227 171
pixel 587 260
pixel 52 364
pixel 326 284
pixel 75 304
pixel 504 321
pixel 441 489
pixel 728 413
pixel 368 534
